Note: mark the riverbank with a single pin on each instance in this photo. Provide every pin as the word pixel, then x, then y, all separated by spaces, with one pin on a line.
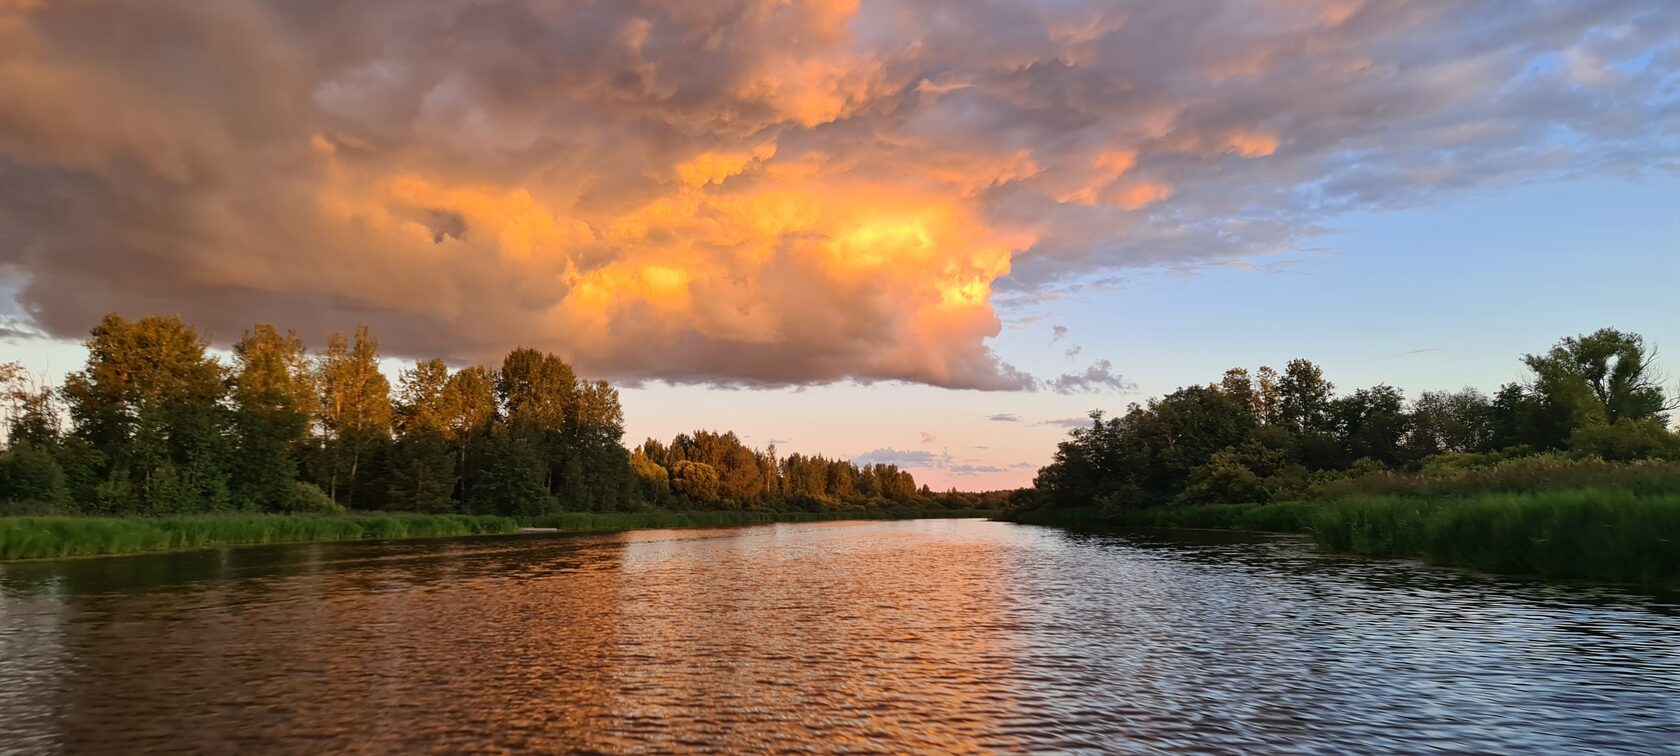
pixel 593 522
pixel 1588 534
pixel 75 536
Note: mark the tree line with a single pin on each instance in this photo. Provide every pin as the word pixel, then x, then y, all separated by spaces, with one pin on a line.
pixel 1269 436
pixel 718 470
pixel 154 423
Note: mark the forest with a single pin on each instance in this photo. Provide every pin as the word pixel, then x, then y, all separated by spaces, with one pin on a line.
pixel 156 424
pixel 1268 436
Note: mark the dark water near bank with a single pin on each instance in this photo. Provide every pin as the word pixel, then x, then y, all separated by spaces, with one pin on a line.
pixel 892 636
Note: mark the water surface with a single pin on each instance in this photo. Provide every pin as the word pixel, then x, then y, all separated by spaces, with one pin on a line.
pixel 888 636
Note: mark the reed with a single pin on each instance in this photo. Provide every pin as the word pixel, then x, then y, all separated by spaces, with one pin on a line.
pixel 1608 535
pixel 1591 534
pixel 48 537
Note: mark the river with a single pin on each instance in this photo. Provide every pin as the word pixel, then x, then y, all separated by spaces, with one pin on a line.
pixel 931 635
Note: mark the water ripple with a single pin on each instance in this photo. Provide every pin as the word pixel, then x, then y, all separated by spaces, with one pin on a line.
pixel 949 636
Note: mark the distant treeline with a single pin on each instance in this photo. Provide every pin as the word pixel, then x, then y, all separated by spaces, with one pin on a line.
pixel 155 424
pixel 1265 436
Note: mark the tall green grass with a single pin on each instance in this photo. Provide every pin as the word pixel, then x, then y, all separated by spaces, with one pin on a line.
pixel 48 537
pixel 597 522
pixel 1590 534
pixel 1605 535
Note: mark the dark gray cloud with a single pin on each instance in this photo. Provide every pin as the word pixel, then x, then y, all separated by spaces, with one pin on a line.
pixel 1068 422
pixel 1004 417
pixel 712 191
pixel 1098 378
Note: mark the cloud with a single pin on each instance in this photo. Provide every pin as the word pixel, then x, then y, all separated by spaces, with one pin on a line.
pixel 928 438
pixel 1060 332
pixel 904 458
pixel 1068 422
pixel 14 329
pixel 1004 418
pixel 752 192
pixel 1073 352
pixel 1099 377
pixel 973 469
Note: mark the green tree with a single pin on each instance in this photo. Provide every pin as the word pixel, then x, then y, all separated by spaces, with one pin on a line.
pixel 1371 423
pixel 421 464
pixel 1237 385
pixel 30 473
pixel 273 397
pixel 355 408
pixel 150 401
pixel 1596 379
pixel 1626 440
pixel 1303 398
pixel 1447 423
pixel 514 479
pixel 653 482
pixel 1266 395
pixel 696 481
pixel 469 400
pixel 31 410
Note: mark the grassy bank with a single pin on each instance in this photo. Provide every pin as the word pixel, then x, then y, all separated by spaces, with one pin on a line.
pixel 48 537
pixel 1590 534
pixel 70 536
pixel 591 522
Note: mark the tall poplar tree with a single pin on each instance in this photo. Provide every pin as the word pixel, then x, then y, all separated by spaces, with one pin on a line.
pixel 273 397
pixel 422 464
pixel 355 408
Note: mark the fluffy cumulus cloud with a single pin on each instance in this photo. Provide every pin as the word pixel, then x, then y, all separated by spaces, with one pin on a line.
pixel 756 192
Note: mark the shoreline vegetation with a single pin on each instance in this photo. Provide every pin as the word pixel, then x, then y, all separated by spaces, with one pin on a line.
pixel 1600 535
pixel 156 424
pixel 1572 474
pixel 58 537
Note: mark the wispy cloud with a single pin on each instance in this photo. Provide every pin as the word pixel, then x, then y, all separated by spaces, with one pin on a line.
pixel 1004 418
pixel 1098 378
pixel 904 458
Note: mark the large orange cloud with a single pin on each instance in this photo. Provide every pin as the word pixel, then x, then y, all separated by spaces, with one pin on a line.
pixel 746 191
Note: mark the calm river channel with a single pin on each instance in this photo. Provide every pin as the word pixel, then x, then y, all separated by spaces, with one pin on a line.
pixel 930 635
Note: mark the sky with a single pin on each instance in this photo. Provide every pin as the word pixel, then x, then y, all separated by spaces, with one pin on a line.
pixel 930 233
